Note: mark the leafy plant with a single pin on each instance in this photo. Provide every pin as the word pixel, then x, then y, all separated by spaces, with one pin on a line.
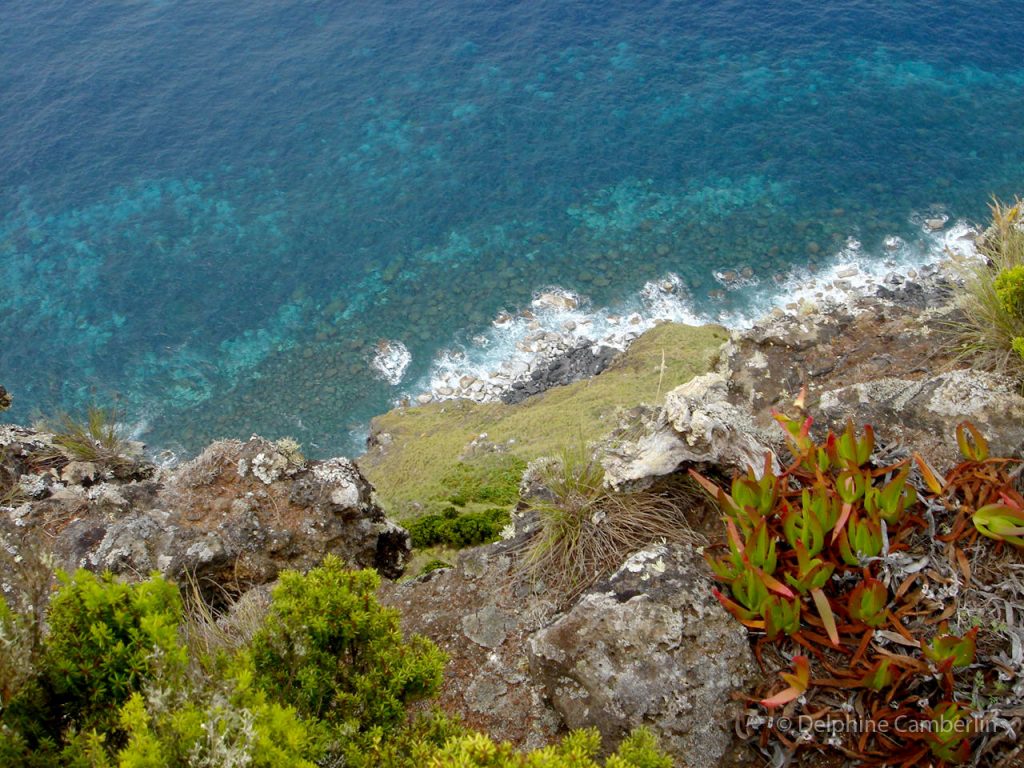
pixel 803 561
pixel 107 640
pixel 579 749
pixel 457 529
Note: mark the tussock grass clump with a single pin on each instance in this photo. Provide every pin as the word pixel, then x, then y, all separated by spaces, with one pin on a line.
pixel 586 530
pixel 97 439
pixel 992 299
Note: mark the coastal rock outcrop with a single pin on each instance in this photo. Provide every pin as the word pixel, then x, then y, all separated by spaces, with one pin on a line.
pixel 232 518
pixel 650 646
pixel 887 360
pixel 697 424
pixel 647 646
pixel 922 412
pixel 580 362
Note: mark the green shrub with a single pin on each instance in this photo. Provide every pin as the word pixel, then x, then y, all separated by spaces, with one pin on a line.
pixel 1018 346
pixel 328 648
pixel 458 530
pixel 107 639
pixel 410 746
pixel 493 479
pixel 577 750
pixel 232 725
pixel 1009 287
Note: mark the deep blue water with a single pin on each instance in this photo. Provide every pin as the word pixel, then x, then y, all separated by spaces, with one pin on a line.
pixel 213 211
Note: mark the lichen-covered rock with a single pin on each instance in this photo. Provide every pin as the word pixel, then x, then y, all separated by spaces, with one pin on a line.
pixel 476 613
pixel 234 517
pixel 650 646
pixel 697 424
pixel 922 413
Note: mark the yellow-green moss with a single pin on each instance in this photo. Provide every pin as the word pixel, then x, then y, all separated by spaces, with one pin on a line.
pixel 427 442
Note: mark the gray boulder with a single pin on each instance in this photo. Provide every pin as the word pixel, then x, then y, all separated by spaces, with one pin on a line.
pixel 697 424
pixel 923 413
pixel 650 646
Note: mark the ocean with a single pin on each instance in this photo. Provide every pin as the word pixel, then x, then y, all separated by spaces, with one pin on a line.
pixel 217 216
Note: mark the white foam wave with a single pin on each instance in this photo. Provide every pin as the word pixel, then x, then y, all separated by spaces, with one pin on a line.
pixel 390 360
pixel 558 320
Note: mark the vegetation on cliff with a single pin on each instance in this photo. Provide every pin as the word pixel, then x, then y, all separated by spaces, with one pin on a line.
pixel 412 467
pixel 991 334
pixel 859 583
pixel 323 677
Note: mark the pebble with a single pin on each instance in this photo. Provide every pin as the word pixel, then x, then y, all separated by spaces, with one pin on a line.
pixel 848 272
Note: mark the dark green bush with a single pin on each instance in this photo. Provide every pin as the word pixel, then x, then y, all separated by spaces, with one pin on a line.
pixel 458 530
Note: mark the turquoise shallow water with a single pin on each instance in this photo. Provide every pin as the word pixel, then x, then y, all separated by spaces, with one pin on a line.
pixel 214 213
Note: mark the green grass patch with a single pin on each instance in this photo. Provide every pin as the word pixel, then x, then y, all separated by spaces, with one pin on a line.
pixel 419 470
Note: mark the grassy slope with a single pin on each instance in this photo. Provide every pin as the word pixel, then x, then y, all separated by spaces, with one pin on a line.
pixel 428 441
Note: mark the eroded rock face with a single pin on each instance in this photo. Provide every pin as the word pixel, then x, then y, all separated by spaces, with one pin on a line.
pixel 650 646
pixel 885 360
pixel 477 615
pixel 923 413
pixel 235 516
pixel 697 424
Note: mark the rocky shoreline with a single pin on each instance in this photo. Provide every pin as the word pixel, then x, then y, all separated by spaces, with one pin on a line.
pixel 551 337
pixel 645 645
